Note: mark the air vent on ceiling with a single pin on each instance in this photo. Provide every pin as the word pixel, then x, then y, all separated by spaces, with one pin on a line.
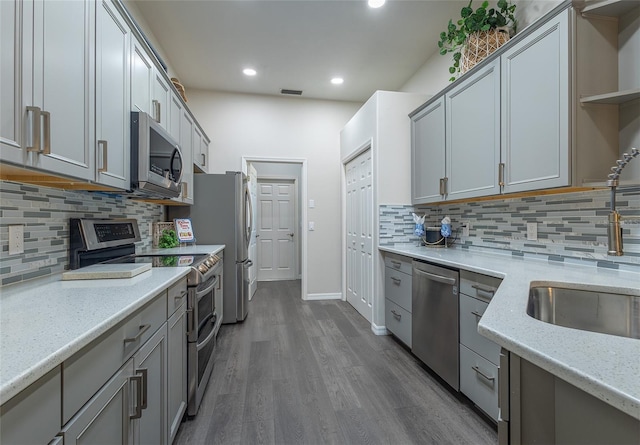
pixel 291 92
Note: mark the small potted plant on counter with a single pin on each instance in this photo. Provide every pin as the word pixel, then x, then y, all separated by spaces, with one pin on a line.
pixel 477 34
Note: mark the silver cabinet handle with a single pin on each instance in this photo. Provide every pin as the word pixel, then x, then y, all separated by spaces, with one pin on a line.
pixel 443 185
pixel 143 373
pixel 204 158
pixel 396 280
pixel 138 412
pixel 396 264
pixel 143 328
pixel 104 145
pixel 488 377
pixel 184 190
pixel 477 314
pixel 395 314
pixel 487 290
pixel 156 110
pixel 180 297
pixel 35 129
pixel 47 132
pixel 501 174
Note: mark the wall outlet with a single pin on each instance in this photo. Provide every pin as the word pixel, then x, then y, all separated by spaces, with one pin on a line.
pixel 465 228
pixel 532 231
pixel 16 239
pixel 312 226
pixel 312 203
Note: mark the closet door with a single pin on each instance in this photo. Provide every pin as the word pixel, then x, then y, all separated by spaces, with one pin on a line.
pixel 359 174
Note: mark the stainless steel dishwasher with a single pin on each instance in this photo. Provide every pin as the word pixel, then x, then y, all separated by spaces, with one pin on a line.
pixel 434 320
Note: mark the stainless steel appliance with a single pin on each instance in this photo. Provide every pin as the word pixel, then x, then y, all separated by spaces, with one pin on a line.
pixel 156 160
pixel 112 242
pixel 434 320
pixel 222 215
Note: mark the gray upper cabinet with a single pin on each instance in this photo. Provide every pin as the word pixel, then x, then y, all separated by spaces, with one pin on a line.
pixel 11 94
pixel 535 109
pixel 141 78
pixel 113 46
pixel 428 154
pixel 473 135
pixel 60 115
pixel 161 101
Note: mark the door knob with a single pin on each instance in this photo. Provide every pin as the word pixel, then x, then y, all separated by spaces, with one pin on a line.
pixel 291 235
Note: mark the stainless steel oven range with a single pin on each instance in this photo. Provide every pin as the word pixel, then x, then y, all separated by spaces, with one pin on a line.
pixel 95 241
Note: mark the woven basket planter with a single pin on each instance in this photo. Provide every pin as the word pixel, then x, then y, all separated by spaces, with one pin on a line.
pixel 479 45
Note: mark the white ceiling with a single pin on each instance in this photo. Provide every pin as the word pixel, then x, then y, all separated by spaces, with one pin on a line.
pixel 297 44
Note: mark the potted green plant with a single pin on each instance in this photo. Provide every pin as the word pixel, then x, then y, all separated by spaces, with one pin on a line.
pixel 168 239
pixel 477 34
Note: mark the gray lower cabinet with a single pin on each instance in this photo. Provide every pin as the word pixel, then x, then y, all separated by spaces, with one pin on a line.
pixel 151 363
pixel 176 370
pixel 33 416
pixel 397 292
pixel 479 356
pixel 538 407
pixel 106 418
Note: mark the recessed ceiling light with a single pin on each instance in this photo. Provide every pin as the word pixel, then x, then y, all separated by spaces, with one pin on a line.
pixel 249 72
pixel 376 3
pixel 337 81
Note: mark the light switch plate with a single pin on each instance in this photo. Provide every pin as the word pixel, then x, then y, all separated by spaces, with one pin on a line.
pixel 312 203
pixel 16 239
pixel 312 225
pixel 532 231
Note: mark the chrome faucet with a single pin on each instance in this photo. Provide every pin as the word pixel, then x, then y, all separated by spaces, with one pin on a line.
pixel 614 231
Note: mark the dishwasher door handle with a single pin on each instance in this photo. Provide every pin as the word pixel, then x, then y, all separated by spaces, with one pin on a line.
pixel 438 278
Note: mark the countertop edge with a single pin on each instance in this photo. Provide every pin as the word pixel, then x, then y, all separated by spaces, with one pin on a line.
pixel 18 383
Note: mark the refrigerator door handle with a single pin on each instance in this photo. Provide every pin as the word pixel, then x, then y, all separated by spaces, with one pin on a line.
pixel 248 263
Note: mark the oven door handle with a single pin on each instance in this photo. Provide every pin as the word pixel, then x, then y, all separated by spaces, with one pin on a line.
pixel 205 321
pixel 209 288
pixel 206 341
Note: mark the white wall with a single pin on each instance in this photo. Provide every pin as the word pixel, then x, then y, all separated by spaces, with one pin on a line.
pixel 282 127
pixel 434 75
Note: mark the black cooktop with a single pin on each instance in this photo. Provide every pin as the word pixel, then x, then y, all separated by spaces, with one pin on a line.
pixel 161 260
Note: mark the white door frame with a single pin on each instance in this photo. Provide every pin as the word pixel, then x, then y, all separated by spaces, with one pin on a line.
pixel 302 211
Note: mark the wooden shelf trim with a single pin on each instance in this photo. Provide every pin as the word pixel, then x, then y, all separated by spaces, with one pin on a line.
pixel 618 97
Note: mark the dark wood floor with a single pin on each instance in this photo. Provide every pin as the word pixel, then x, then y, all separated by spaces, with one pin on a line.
pixel 297 372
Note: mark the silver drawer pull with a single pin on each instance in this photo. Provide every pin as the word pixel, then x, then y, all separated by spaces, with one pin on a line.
pixel 476 369
pixel 143 328
pixel 181 296
pixel 395 280
pixel 395 314
pixel 477 314
pixel 396 264
pixel 487 290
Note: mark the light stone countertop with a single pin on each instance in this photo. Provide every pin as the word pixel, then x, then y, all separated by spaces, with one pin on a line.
pixel 45 321
pixel 605 366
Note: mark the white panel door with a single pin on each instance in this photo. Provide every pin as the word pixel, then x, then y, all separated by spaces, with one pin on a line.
pixel 276 230
pixel 253 246
pixel 360 234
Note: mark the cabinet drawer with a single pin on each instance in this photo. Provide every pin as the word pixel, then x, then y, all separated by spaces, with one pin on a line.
pixel 479 381
pixel 85 372
pixel 398 262
pixel 397 287
pixel 477 285
pixel 398 321
pixel 471 311
pixel 176 296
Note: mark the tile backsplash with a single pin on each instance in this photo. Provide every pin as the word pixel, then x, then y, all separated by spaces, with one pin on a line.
pixel 45 213
pixel 572 227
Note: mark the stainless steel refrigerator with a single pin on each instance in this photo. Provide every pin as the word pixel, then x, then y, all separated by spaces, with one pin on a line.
pixel 222 215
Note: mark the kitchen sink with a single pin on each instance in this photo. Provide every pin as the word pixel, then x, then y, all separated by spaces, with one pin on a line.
pixel 595 310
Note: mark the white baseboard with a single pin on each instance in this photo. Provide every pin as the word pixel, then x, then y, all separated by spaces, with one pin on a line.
pixel 379 330
pixel 329 296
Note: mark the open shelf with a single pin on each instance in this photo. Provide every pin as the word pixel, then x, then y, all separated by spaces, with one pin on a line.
pixel 618 97
pixel 611 8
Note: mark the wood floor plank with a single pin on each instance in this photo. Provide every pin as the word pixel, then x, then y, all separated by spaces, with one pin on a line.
pixel 313 372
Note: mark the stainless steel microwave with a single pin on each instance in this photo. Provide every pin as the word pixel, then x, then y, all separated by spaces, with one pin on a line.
pixel 156 160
